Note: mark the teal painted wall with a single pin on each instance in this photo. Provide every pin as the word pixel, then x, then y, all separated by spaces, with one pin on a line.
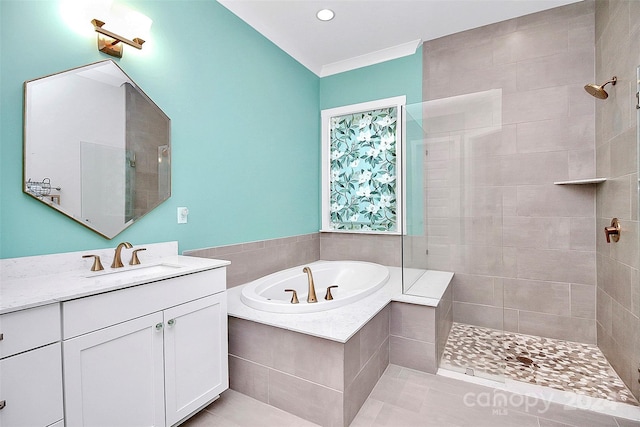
pixel 401 76
pixel 245 127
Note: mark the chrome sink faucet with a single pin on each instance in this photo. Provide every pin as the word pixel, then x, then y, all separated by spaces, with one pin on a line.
pixel 117 260
pixel 311 297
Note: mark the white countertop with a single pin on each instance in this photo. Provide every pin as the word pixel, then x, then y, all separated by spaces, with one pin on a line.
pixel 40 280
pixel 340 324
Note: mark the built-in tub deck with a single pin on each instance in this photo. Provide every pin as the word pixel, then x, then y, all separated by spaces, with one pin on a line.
pixel 305 363
pixel 342 323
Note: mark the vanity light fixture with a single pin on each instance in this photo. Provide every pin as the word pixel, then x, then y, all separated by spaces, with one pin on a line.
pixel 325 15
pixel 111 43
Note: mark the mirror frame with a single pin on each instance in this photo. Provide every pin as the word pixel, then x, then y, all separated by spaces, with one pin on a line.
pixel 49 201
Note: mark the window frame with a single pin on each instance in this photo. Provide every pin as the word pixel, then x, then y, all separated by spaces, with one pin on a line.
pixel 326 115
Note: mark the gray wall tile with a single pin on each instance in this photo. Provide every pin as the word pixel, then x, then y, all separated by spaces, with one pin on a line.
pixel 557 265
pixel 306 399
pixel 311 358
pixel 560 327
pixel 250 261
pixel 543 297
pixel 351 359
pixel 418 355
pixel 413 321
pixel 305 356
pixel 358 390
pixel 616 156
pixel 473 289
pixel 381 249
pixel 249 378
pixel 481 315
pixel 253 341
pixel 507 222
pixel 583 298
pixel 576 132
pixel 556 200
pixel 373 334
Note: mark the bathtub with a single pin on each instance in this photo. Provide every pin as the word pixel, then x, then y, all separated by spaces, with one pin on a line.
pixel 355 280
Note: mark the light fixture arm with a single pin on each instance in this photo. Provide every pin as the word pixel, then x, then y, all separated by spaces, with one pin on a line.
pixel 97 26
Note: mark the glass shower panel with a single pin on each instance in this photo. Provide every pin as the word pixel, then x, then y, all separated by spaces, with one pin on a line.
pixel 103 187
pixel 454 208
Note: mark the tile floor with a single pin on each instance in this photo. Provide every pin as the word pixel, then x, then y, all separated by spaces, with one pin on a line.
pixel 561 365
pixel 407 398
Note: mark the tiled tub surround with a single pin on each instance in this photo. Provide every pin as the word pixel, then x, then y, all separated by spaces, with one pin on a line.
pixel 378 248
pixel 250 261
pixel 322 366
pixel 418 333
pixel 320 380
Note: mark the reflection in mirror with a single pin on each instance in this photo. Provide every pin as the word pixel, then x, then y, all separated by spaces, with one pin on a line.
pixel 96 147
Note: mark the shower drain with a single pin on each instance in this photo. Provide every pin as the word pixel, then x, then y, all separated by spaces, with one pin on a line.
pixel 524 360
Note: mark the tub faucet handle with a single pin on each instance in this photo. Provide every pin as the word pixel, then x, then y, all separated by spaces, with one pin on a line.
pixel 294 296
pixel 328 295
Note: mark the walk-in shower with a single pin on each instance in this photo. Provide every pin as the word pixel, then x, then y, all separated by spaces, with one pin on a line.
pixel 462 168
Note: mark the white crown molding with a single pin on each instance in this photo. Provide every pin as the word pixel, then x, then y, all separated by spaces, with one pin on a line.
pixel 376 57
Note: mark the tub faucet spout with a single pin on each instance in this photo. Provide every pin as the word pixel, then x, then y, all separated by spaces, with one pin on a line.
pixel 311 297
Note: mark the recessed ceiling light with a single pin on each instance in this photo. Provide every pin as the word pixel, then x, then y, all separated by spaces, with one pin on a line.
pixel 325 15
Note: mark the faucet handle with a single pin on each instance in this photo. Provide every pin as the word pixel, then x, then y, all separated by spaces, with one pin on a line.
pixel 97 265
pixel 613 232
pixel 328 295
pixel 294 297
pixel 134 256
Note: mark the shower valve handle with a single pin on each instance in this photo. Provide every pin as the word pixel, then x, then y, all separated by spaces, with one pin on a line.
pixel 613 232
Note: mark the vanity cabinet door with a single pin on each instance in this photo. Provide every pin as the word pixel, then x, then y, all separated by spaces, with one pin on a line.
pixel 114 376
pixel 31 388
pixel 195 342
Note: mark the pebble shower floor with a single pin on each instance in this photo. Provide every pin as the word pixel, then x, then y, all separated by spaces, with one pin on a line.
pixel 562 365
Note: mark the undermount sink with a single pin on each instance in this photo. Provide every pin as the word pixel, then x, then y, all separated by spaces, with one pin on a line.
pixel 136 272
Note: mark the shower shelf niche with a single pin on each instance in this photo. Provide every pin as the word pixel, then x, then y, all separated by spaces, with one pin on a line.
pixel 581 181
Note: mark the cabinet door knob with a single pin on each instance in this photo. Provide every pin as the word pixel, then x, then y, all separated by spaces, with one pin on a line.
pixel 3 403
pixel 1 337
pixel 158 326
pixel 171 322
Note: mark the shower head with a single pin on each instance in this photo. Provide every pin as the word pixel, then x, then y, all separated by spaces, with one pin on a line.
pixel 598 91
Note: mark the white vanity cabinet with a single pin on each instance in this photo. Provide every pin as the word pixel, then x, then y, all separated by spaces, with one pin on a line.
pixel 30 367
pixel 147 355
